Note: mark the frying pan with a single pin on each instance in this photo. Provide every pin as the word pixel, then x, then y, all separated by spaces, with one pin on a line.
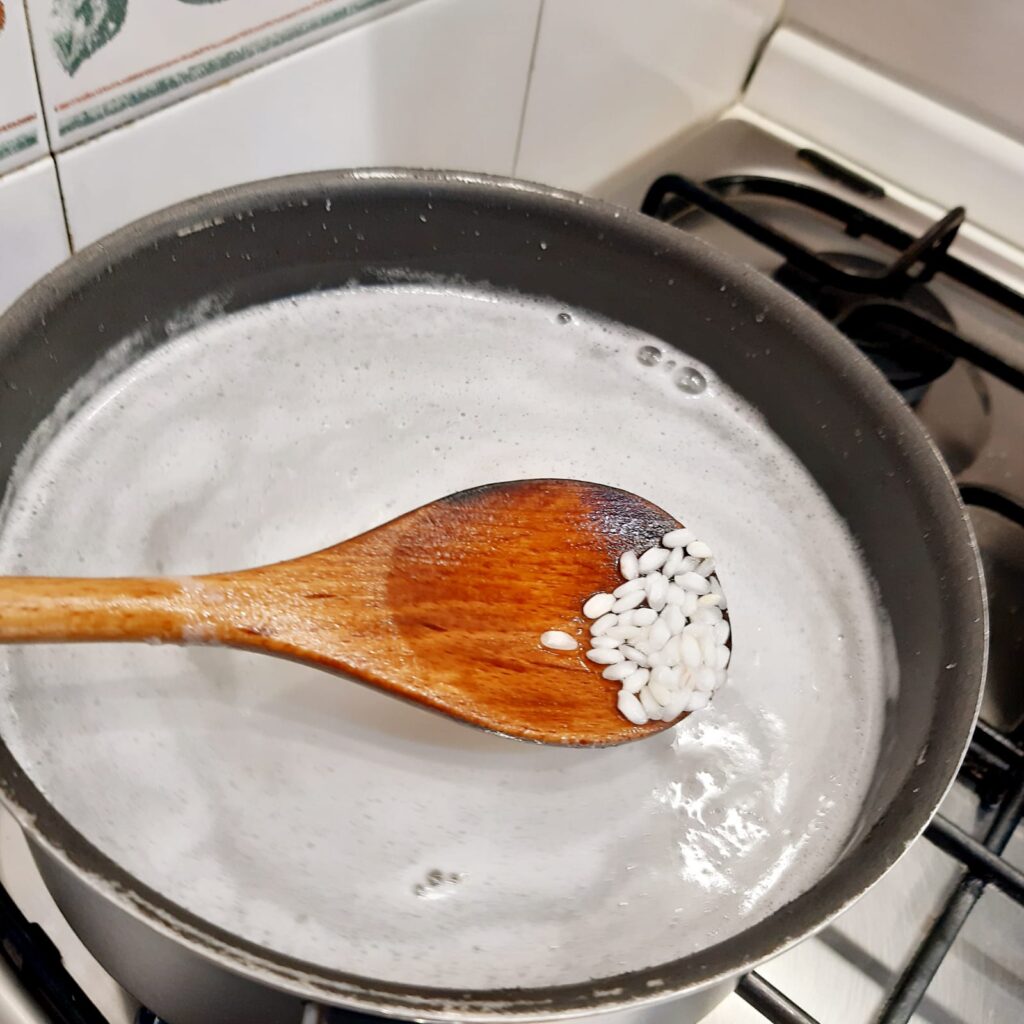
pixel 816 392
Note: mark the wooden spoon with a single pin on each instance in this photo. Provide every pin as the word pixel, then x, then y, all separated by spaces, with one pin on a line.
pixel 443 606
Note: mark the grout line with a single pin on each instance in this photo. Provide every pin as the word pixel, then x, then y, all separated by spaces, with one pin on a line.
pixel 35 72
pixel 46 131
pixel 63 202
pixel 528 89
pixel 762 45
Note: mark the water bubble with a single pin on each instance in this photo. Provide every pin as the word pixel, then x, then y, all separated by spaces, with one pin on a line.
pixel 437 884
pixel 565 318
pixel 543 245
pixel 649 355
pixel 423 217
pixel 691 381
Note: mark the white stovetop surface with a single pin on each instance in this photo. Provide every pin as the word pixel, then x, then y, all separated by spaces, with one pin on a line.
pixel 841 975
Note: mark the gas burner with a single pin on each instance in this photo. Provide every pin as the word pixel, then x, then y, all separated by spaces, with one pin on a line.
pixel 892 343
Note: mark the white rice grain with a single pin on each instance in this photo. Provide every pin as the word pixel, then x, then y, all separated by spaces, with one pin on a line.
pixel 657 591
pixel 635 683
pixel 557 640
pixel 672 563
pixel 631 708
pixel 677 538
pixel 694 583
pixel 697 701
pixel 653 559
pixel 630 601
pixel 628 587
pixel 690 651
pixel 598 605
pixel 651 707
pixel 604 656
pixel 619 671
pixel 659 635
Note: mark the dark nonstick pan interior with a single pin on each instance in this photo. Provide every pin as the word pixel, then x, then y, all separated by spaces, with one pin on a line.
pixel 268 240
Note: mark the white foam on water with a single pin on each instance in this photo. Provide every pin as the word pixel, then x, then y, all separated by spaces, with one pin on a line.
pixel 335 824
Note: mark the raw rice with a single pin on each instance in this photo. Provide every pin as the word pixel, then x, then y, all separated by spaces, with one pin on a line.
pixel 661 634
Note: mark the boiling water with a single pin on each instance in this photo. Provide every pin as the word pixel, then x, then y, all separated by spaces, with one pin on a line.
pixel 337 825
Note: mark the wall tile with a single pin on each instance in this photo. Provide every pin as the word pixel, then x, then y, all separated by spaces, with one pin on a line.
pixel 613 80
pixel 109 61
pixel 963 54
pixel 22 133
pixel 34 236
pixel 431 85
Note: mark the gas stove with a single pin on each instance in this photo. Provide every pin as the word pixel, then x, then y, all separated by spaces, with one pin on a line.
pixel 936 302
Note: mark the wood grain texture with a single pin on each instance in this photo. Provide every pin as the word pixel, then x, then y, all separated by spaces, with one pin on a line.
pixel 443 606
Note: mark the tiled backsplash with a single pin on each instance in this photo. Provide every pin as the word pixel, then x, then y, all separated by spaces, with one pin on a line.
pixel 22 136
pixel 129 105
pixel 141 103
pixel 108 61
pixel 431 85
pixel 71 70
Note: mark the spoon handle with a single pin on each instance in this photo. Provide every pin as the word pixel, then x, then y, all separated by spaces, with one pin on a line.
pixel 43 609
